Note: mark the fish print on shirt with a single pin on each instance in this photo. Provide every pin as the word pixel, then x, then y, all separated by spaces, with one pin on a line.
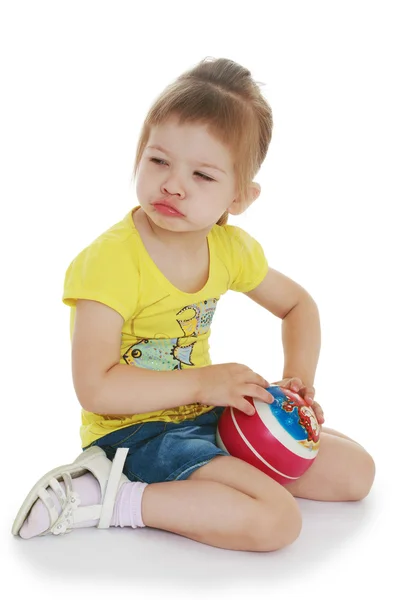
pixel 199 322
pixel 161 354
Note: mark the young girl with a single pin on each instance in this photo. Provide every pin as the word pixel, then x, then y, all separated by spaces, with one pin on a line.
pixel 142 299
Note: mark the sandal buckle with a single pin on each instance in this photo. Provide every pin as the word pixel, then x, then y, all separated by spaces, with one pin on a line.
pixel 65 520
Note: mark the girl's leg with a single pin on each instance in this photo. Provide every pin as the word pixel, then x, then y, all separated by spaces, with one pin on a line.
pixel 226 503
pixel 342 471
pixel 338 434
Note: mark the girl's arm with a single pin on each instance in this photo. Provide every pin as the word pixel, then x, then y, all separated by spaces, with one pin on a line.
pixel 104 386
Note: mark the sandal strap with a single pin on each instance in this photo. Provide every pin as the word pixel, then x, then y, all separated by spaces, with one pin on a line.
pixel 69 503
pixel 49 504
pixel 71 512
pixel 57 489
pixel 68 483
pixel 112 487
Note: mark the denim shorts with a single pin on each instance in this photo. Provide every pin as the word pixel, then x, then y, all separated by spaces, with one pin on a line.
pixel 164 451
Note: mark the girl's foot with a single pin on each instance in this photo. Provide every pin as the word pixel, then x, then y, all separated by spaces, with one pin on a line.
pixel 93 494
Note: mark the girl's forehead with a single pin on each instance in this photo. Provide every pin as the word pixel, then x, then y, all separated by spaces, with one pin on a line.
pixel 190 138
pixel 173 128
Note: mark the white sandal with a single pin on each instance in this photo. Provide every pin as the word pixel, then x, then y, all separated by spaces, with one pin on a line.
pixel 109 475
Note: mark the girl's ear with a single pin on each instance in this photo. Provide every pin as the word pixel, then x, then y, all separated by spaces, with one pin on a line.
pixel 239 205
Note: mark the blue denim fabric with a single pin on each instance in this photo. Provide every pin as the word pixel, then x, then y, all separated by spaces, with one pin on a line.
pixel 162 451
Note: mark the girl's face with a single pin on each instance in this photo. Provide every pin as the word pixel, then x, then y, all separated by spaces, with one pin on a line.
pixel 186 167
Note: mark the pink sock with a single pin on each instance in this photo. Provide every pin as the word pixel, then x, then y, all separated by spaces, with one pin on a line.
pixel 127 508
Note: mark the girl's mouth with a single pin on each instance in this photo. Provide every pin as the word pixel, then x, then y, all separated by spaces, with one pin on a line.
pixel 167 210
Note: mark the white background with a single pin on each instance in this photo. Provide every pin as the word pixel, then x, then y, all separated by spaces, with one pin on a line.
pixel 77 79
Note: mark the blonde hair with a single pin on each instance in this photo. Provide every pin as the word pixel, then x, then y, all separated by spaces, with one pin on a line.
pixel 221 94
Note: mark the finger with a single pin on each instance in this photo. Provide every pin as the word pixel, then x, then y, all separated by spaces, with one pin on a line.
pixel 245 406
pixel 308 395
pixel 295 384
pixel 258 392
pixel 319 413
pixel 259 380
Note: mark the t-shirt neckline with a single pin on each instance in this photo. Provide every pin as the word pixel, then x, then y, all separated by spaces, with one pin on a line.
pixel 160 274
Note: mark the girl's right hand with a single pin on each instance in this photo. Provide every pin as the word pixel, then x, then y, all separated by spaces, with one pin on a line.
pixel 229 384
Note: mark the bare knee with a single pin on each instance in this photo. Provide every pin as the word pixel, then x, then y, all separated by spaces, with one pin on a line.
pixel 362 477
pixel 274 525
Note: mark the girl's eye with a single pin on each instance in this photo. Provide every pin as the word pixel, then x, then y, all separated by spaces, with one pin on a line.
pixel 205 177
pixel 159 161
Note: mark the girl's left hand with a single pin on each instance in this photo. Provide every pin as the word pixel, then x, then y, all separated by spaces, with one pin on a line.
pixel 296 385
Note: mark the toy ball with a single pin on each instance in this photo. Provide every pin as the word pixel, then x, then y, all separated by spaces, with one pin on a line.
pixel 281 439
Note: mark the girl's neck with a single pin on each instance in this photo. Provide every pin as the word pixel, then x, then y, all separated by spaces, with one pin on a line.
pixel 190 242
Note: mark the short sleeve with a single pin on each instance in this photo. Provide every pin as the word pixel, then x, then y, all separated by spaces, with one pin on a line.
pixel 105 272
pixel 249 265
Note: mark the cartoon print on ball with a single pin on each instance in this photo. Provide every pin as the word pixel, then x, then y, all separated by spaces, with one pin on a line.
pixel 295 416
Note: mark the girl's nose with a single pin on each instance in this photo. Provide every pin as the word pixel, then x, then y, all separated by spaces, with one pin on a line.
pixel 172 187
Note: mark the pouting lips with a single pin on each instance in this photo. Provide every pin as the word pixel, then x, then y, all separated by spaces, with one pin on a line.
pixel 167 209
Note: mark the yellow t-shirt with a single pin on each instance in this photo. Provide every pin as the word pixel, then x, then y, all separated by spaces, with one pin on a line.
pixel 164 328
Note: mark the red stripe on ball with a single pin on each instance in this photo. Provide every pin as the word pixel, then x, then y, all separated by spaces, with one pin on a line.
pixel 269 447
pixel 237 447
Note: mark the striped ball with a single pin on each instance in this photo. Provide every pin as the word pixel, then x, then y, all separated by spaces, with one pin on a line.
pixel 280 439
